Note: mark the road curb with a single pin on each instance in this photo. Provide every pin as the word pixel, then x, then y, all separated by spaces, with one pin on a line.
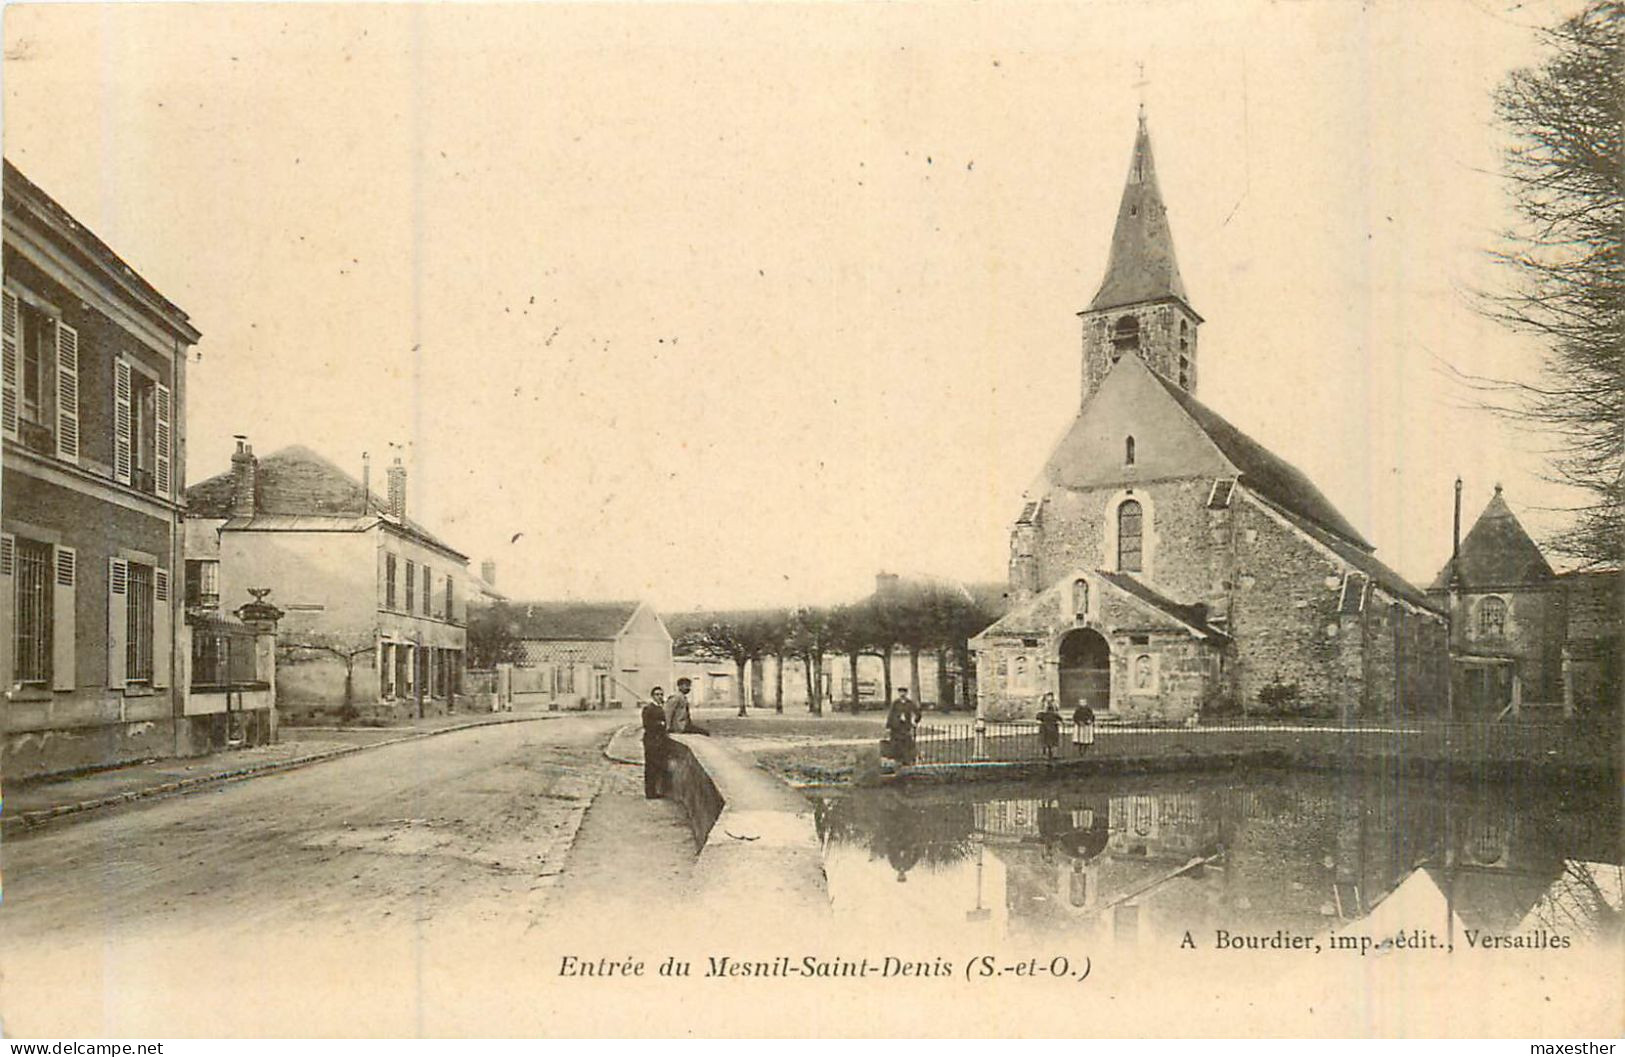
pixel 609 747
pixel 31 820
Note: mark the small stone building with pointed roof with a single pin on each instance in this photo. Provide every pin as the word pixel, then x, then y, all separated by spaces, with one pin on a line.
pixel 1165 563
pixel 1522 634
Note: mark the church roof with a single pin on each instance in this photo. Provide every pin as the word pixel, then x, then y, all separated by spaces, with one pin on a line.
pixel 1362 559
pixel 1142 265
pixel 1262 470
pixel 1497 552
pixel 1192 616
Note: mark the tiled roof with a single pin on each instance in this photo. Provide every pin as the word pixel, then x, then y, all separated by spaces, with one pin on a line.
pixel 570 621
pixel 1497 552
pixel 1194 616
pixel 1366 562
pixel 1262 470
pixel 298 490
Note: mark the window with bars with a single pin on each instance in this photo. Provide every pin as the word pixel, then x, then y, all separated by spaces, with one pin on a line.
pixel 34 613
pixel 138 608
pixel 1129 542
pixel 1492 617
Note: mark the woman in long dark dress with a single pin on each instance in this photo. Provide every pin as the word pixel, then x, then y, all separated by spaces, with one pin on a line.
pixel 1049 727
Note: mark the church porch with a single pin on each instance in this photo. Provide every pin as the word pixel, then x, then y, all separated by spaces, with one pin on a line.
pixel 1104 639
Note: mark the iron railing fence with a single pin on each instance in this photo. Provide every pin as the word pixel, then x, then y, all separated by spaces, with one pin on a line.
pixel 223 657
pixel 1016 740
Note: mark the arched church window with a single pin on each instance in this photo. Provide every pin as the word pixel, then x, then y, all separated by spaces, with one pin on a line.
pixel 1128 451
pixel 1129 547
pixel 1125 335
pixel 1080 598
pixel 1492 617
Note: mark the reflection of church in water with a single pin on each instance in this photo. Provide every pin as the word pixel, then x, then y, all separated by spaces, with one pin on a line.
pixel 1126 867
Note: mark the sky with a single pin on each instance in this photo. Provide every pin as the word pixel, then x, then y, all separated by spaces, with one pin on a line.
pixel 740 304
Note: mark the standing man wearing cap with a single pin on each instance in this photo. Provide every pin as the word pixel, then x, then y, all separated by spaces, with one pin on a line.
pixel 678 720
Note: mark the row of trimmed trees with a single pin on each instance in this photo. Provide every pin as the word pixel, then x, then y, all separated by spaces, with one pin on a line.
pixel 917 620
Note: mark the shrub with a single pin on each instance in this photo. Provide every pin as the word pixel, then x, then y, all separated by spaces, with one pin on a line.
pixel 1279 697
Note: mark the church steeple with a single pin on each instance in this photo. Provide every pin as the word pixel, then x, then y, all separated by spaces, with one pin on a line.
pixel 1141 305
pixel 1142 265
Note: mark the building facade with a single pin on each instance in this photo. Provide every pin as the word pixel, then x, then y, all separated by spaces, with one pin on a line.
pixel 1166 564
pixel 94 427
pixel 589 654
pixel 374 606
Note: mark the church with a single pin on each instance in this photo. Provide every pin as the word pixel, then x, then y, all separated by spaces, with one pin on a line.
pixel 1167 565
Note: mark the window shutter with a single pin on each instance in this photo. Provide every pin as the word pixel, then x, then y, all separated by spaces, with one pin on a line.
pixel 121 422
pixel 64 632
pixel 67 393
pixel 161 430
pixel 163 627
pixel 8 366
pixel 118 593
pixel 8 565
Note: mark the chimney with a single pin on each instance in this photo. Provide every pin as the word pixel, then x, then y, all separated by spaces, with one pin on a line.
pixel 366 483
pixel 396 475
pixel 245 471
pixel 1455 538
pixel 488 572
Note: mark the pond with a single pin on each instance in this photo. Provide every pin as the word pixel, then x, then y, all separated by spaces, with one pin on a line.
pixel 1139 861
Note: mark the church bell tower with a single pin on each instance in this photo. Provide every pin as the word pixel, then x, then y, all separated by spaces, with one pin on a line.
pixel 1141 304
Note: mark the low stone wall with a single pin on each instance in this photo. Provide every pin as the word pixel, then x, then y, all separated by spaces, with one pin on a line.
pixel 756 835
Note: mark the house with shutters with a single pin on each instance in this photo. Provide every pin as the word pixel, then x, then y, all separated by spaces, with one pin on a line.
pixel 94 434
pixel 374 605
pixel 1166 564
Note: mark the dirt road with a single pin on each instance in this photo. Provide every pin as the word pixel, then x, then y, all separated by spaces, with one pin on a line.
pixel 346 895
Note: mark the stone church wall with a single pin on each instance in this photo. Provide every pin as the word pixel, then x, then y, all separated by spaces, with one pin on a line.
pixel 1294 654
pixel 1187 545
